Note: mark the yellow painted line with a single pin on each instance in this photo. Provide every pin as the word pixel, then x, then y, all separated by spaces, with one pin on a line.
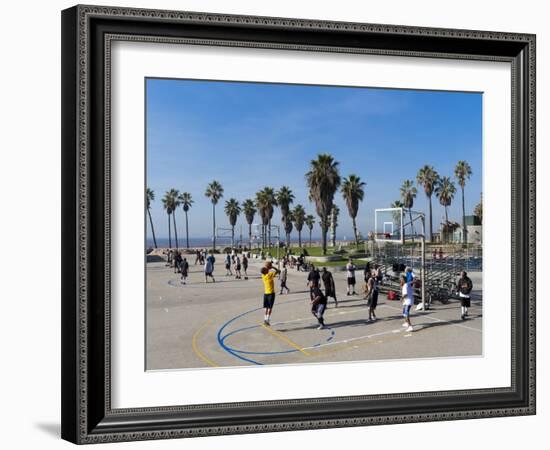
pixel 200 354
pixel 283 338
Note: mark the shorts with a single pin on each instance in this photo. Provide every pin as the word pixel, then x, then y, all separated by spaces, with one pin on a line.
pixel 351 281
pixel 406 310
pixel 465 301
pixel 269 300
pixel 373 300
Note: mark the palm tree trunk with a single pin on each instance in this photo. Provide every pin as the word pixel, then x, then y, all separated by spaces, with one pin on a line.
pixel 175 229
pixel 324 230
pixel 464 234
pixel 269 233
pixel 355 231
pixel 310 237
pixel 412 226
pixel 446 223
pixel 232 236
pixel 213 226
pixel 250 236
pixel 186 229
pixel 169 233
pixel 431 230
pixel 152 227
pixel 300 238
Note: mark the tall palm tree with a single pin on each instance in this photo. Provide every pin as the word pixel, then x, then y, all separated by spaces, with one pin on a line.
pixel 284 198
pixel 353 192
pixel 232 209
pixel 249 210
pixel 408 194
pixel 214 191
pixel 262 203
pixel 309 221
pixel 323 180
pixel 445 192
pixel 299 217
pixel 463 171
pixel 333 224
pixel 427 177
pixel 150 196
pixel 288 228
pixel 174 198
pixel 266 201
pixel 186 202
pixel 168 204
pixel 478 210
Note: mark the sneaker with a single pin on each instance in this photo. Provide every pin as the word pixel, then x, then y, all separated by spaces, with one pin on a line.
pixel 410 328
pixel 405 324
pixel 321 327
pixel 266 323
pixel 463 316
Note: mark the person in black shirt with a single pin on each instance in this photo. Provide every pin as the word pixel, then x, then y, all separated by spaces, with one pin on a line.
pixel 330 288
pixel 318 305
pixel 464 287
pixel 313 279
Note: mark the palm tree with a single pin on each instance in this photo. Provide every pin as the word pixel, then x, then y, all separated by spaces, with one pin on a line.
pixel 174 198
pixel 214 191
pixel 323 181
pixel 249 210
pixel 427 177
pixel 167 204
pixel 266 202
pixel 309 221
pixel 284 198
pixel 462 173
pixel 478 210
pixel 408 194
pixel 445 192
pixel 232 209
pixel 352 190
pixel 186 202
pixel 333 224
pixel 150 196
pixel 299 217
pixel 262 203
pixel 288 228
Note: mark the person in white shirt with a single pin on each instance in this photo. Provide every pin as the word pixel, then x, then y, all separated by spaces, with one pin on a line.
pixel 408 300
pixel 350 267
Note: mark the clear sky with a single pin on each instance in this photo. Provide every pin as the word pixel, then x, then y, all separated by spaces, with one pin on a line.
pixel 251 135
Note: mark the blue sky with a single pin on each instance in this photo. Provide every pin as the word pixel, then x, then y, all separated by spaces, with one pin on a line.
pixel 251 135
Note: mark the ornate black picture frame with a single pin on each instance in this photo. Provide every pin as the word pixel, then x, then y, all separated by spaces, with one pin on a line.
pixel 87 33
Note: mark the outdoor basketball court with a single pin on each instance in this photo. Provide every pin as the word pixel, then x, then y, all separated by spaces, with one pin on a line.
pixel 220 324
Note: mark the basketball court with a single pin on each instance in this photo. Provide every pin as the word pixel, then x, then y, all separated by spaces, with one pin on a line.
pixel 220 324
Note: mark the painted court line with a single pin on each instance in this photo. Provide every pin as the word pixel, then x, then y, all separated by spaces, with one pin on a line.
pixel 346 341
pixel 200 354
pixel 283 338
pixel 438 320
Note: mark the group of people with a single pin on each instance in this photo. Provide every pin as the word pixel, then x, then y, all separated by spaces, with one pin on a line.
pixel 373 276
pixel 234 263
pixel 179 263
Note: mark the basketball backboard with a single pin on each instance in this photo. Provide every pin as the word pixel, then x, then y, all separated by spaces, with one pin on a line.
pixel 388 225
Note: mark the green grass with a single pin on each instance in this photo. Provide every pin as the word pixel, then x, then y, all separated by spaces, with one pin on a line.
pixel 312 251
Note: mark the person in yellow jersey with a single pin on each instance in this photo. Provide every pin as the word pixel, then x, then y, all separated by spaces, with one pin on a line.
pixel 268 277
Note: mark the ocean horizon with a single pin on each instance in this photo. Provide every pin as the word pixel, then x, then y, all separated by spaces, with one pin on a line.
pixel 224 242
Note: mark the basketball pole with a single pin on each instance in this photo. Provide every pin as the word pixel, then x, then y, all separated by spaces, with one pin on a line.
pixel 423 256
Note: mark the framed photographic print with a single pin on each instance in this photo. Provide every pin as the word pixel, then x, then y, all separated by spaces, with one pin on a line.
pixel 279 224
